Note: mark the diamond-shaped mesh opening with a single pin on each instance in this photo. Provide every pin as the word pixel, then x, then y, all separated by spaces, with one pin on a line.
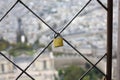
pixel 26 18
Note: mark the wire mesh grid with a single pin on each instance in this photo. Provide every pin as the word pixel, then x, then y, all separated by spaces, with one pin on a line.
pixel 57 34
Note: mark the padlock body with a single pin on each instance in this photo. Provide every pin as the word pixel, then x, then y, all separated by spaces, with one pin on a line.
pixel 58 42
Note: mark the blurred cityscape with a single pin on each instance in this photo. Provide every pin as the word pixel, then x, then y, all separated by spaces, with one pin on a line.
pixel 21 29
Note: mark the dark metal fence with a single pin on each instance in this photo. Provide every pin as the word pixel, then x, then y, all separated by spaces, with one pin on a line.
pixel 109 10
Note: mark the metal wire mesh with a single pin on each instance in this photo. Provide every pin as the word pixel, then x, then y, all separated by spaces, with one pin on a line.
pixel 57 33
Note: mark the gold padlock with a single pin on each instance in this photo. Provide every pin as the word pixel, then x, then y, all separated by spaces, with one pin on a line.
pixel 58 42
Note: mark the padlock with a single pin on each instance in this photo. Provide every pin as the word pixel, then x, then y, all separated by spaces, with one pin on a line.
pixel 58 42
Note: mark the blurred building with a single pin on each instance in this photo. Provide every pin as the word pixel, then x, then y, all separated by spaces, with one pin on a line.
pixel 6 68
pixel 41 69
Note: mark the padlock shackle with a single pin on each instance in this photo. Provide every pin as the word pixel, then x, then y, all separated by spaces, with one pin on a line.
pixel 56 35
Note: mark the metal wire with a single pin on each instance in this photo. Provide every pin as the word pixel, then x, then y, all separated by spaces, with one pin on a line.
pixel 16 66
pixel 91 68
pixel 75 16
pixel 37 16
pixel 34 59
pixel 83 56
pixel 102 5
pixel 8 11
